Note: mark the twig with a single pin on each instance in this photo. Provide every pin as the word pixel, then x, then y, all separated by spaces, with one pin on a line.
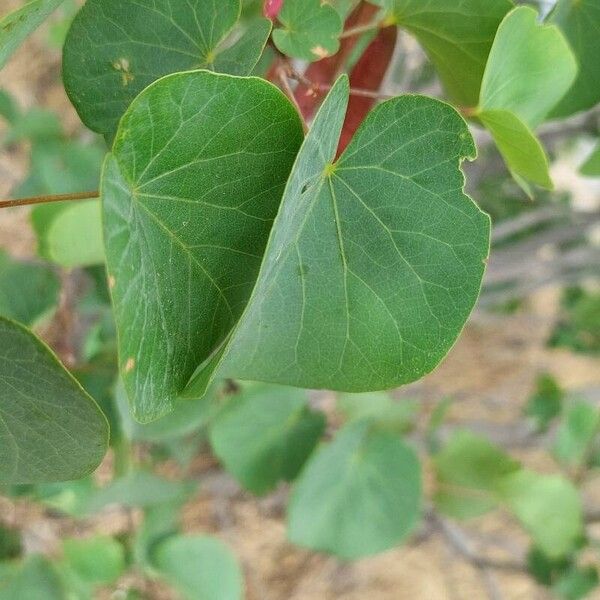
pixel 283 74
pixel 47 199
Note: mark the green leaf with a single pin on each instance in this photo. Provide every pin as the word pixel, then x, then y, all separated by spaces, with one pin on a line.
pixel 523 153
pixel 374 262
pixel 548 507
pixel 580 22
pixel 577 583
pixel 468 470
pixel 456 36
pixel 310 29
pixel 50 428
pixel 395 415
pixel 546 402
pixel 17 25
pixel 115 49
pixel 139 489
pixel 74 236
pixel 28 292
pixel 577 430
pixel 343 7
pixel 33 580
pixel 357 496
pixel 202 568
pixel 189 198
pixel 530 68
pixel 265 434
pixel 96 560
pixel 591 167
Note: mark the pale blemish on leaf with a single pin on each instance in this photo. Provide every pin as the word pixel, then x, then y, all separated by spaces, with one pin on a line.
pixel 122 65
pixel 129 365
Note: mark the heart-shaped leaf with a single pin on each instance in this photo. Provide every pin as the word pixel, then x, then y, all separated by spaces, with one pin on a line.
pixel 190 193
pixel 17 25
pixel 310 29
pixel 357 496
pixel 373 265
pixel 457 37
pixel 114 49
pixel 580 22
pixel 530 68
pixel 50 429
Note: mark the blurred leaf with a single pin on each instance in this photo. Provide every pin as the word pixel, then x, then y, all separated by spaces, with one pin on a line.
pixel 265 434
pixel 436 420
pixel 468 470
pixel 202 568
pixel 591 167
pixel 310 30
pixel 17 25
pixel 10 543
pixel 97 560
pixel 577 583
pixel 137 43
pixel 68 497
pixel 358 495
pixel 576 432
pixel 457 41
pixel 36 125
pixel 548 507
pixel 529 69
pixel 52 430
pixel 140 489
pixel 343 7
pixel 544 569
pixel 580 22
pixel 545 404
pixel 74 236
pixel 28 291
pixel 396 415
pixel 35 579
pixel 8 107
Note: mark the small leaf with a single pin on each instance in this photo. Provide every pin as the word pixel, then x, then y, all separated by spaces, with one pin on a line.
pixel 468 470
pixel 17 25
pixel 580 22
pixel 51 429
pixel 530 68
pixel 36 578
pixel 591 167
pixel 202 568
pixel 395 415
pixel 189 197
pixel 577 430
pixel 546 402
pixel 28 291
pixel 74 237
pixel 310 31
pixel 548 507
pixel 96 560
pixel 265 434
pixel 357 496
pixel 522 151
pixel 577 583
pixel 115 49
pixel 456 36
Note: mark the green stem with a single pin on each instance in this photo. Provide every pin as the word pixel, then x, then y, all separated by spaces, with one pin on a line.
pixel 122 457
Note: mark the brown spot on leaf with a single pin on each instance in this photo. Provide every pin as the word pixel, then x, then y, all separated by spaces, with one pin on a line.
pixel 129 365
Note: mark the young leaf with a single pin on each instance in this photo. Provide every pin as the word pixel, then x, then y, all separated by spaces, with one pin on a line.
pixel 530 68
pixel 357 496
pixel 468 470
pixel 97 560
pixel 51 430
pixel 375 261
pixel 115 49
pixel 189 197
pixel 200 567
pixel 17 25
pixel 580 23
pixel 591 167
pixel 523 153
pixel 265 434
pixel 579 427
pixel 310 29
pixel 28 291
pixel 548 507
pixel 457 37
pixel 546 402
pixel 74 236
